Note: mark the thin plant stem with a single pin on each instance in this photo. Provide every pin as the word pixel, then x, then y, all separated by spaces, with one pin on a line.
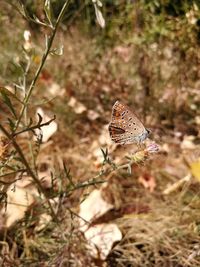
pixel 32 128
pixel 28 168
pixel 26 115
pixel 45 55
pixel 23 112
pixel 11 173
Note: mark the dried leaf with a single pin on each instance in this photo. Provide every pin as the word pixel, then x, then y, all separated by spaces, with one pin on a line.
pixel 195 169
pixel 101 238
pixel 93 207
pixel 18 202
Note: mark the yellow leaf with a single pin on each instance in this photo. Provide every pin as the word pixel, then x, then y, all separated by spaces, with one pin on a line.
pixel 195 169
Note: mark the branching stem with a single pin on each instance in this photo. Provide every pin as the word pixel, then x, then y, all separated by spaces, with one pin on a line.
pixel 45 55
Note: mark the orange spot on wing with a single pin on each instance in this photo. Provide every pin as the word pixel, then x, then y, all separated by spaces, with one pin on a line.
pixel 116 113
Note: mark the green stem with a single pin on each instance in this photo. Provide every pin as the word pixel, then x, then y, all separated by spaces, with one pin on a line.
pixel 28 168
pixel 25 103
pixel 48 48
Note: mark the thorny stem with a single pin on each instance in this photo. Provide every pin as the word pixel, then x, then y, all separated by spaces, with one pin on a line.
pixel 48 48
pixel 113 168
pixel 91 182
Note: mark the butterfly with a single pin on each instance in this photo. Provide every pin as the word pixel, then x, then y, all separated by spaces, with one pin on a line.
pixel 125 127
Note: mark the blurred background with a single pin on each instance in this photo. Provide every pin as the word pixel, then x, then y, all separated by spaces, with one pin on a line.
pixel 148 57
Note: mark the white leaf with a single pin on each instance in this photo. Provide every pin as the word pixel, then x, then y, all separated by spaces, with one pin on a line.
pixel 99 3
pixel 101 238
pixel 18 202
pixel 93 207
pixel 99 16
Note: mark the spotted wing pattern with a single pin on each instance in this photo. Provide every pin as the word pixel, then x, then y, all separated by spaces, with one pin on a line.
pixel 125 127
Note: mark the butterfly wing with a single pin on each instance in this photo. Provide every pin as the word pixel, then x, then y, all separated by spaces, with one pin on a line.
pixel 125 127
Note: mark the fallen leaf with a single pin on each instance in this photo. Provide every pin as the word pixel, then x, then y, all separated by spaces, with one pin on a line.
pixel 18 202
pixel 101 238
pixel 122 211
pixel 91 208
pixel 21 196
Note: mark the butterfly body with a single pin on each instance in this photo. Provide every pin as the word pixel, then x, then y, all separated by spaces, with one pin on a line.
pixel 125 127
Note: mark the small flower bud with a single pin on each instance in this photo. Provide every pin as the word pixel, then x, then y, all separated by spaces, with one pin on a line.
pixel 152 148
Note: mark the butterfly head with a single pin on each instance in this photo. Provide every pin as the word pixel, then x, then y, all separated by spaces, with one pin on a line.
pixel 141 137
pixel 148 132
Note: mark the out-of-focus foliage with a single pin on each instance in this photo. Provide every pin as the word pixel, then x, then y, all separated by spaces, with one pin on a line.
pixel 154 18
